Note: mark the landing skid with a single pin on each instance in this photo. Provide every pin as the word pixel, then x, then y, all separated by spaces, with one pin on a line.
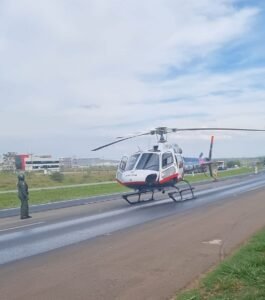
pixel 182 191
pixel 136 197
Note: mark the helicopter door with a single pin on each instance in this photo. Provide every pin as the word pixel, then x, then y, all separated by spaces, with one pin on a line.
pixel 180 164
pixel 168 169
pixel 123 163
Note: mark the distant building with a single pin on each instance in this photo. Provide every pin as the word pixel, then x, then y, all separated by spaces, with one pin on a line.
pixel 79 163
pixel 20 161
pixel 30 162
pixel 46 163
pixel 66 162
pixel 221 165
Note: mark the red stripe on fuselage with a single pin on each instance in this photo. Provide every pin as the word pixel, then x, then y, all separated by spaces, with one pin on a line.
pixel 129 183
pixel 169 178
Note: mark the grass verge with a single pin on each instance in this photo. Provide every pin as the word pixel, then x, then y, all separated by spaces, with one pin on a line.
pixel 220 174
pixel 240 277
pixel 10 200
pixel 8 180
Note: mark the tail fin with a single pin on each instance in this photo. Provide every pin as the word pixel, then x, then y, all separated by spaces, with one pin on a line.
pixel 211 148
pixel 207 162
pixel 210 157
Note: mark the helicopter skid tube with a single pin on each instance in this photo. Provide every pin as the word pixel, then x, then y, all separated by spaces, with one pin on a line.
pixel 136 197
pixel 183 192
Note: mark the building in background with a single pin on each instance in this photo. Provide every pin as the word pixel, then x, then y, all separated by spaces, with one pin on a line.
pixel 30 162
pixel 66 163
pixel 82 163
pixel 13 161
pixel 20 161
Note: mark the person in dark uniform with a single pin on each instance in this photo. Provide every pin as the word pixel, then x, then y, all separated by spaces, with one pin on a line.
pixel 23 195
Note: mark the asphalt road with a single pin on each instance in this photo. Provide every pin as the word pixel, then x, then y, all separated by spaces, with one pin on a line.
pixel 109 250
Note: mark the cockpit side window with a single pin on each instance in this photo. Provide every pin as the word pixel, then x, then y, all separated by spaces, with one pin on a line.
pixel 167 159
pixel 131 162
pixel 148 161
pixel 179 161
pixel 123 163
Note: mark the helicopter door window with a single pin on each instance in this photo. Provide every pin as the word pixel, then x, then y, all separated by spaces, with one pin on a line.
pixel 167 159
pixel 123 163
pixel 131 162
pixel 179 161
pixel 148 161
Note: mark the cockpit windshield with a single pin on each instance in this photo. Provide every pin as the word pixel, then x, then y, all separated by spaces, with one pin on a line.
pixel 148 161
pixel 131 162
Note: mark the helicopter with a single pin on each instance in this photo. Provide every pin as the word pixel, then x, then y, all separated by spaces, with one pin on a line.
pixel 160 169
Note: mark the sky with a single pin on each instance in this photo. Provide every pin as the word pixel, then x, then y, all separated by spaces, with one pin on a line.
pixel 74 75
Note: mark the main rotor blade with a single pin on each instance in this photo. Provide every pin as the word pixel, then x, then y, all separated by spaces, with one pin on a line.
pixel 123 139
pixel 214 129
pixel 164 130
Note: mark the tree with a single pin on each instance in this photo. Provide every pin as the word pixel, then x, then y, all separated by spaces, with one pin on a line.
pixel 233 163
pixel 9 161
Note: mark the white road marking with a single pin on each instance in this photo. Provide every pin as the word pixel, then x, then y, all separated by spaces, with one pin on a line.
pixel 22 226
pixel 213 242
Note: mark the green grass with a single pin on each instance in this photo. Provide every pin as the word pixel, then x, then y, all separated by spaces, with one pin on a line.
pixel 8 181
pixel 9 200
pixel 220 174
pixel 240 277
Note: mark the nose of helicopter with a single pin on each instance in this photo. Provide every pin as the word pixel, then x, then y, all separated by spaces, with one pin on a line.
pixel 139 177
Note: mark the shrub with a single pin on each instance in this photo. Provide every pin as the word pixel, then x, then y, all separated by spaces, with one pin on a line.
pixel 57 176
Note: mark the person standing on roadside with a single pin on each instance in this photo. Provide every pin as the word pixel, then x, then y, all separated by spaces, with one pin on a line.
pixel 23 195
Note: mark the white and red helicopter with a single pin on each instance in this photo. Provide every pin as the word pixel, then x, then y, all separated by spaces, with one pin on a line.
pixel 160 168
